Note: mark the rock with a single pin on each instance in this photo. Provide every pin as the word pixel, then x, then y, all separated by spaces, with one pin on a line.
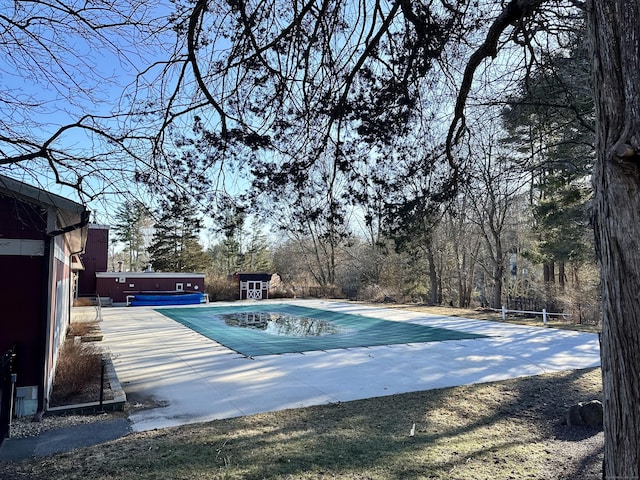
pixel 573 416
pixel 585 413
pixel 592 413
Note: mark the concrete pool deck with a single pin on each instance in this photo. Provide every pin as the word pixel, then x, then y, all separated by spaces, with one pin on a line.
pixel 187 378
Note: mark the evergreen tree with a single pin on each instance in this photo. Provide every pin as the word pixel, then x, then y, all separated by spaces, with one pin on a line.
pixel 131 221
pixel 175 246
pixel 257 256
pixel 551 125
pixel 227 255
pixel 231 254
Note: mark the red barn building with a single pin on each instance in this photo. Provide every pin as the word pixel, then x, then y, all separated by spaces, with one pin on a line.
pixel 41 235
pixel 116 288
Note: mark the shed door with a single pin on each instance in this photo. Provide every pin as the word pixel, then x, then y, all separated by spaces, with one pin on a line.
pixel 254 290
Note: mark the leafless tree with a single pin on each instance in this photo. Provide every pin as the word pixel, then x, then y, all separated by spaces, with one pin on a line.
pixel 63 66
pixel 613 27
pixel 464 245
pixel 494 187
pixel 313 64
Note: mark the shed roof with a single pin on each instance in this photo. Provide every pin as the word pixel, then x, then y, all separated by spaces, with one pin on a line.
pixel 249 276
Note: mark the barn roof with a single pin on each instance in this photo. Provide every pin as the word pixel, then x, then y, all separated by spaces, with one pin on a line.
pixel 38 196
pixel 71 217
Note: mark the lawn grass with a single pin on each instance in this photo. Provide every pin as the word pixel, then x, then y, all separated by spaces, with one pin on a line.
pixel 502 430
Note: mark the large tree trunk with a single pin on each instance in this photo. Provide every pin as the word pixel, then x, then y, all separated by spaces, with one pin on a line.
pixel 562 276
pixel 498 269
pixel 496 293
pixel 433 275
pixel 615 36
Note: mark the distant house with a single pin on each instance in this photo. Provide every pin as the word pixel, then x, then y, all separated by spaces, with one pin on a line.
pixel 253 285
pixel 119 285
pixel 41 236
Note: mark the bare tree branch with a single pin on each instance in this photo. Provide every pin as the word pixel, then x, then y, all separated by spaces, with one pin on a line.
pixel 514 11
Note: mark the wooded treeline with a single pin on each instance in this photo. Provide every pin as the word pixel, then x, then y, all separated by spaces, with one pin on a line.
pixel 485 250
pixel 514 231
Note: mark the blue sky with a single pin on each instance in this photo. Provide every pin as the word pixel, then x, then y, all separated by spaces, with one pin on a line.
pixel 52 76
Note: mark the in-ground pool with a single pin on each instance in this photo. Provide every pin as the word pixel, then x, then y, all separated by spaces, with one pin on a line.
pixel 270 329
pixel 283 324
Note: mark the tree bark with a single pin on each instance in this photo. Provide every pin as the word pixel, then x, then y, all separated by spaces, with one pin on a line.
pixel 433 275
pixel 615 38
pixel 545 272
pixel 549 272
pixel 496 295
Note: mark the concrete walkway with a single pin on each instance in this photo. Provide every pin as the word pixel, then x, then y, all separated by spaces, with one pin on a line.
pixel 186 378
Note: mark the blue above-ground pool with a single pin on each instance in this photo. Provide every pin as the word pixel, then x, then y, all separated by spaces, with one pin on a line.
pixel 149 300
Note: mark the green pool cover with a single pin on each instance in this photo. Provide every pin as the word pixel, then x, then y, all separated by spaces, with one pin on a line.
pixel 324 329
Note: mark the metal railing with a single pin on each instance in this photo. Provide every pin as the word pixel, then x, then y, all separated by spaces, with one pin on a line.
pixel 98 308
pixel 7 383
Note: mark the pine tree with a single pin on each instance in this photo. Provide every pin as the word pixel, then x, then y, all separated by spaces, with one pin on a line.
pixel 257 256
pixel 175 246
pixel 131 220
pixel 551 125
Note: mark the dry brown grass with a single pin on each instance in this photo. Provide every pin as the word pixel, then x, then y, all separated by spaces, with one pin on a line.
pixel 485 314
pixel 79 365
pixel 80 329
pixel 501 430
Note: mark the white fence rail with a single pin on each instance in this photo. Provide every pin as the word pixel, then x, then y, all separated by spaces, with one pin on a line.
pixel 544 313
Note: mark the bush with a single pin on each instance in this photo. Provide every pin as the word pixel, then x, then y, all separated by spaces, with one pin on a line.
pixel 281 292
pixel 81 329
pixel 79 365
pixel 221 289
pixel 377 294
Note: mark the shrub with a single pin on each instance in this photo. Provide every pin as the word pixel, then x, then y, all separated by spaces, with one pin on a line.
pixel 80 329
pixel 221 289
pixel 376 293
pixel 281 291
pixel 79 364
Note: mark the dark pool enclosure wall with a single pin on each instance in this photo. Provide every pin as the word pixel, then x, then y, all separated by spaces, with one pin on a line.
pixel 94 259
pixel 119 285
